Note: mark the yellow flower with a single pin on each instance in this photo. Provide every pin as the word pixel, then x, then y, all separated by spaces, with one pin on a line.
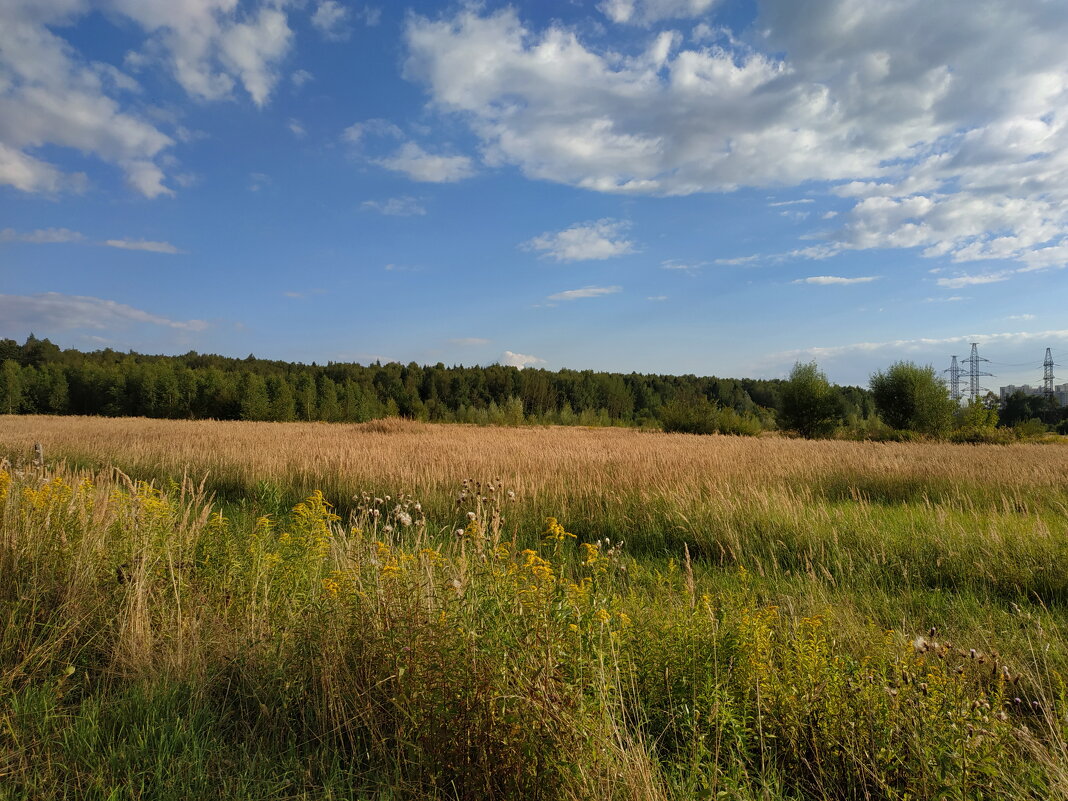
pixel 554 531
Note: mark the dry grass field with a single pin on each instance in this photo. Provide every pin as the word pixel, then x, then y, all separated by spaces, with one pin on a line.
pixel 401 610
pixel 539 461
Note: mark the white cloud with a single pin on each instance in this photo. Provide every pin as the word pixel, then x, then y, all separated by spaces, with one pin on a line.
pixel 210 46
pixel 905 347
pixel 41 235
pixel 740 260
pixel 301 77
pixel 419 165
pixel 597 240
pixel 358 132
pixel 791 202
pixel 963 279
pixel 409 157
pixel 330 18
pixel 472 341
pixel 1023 317
pixel 52 311
pixel 586 292
pixel 947 128
pixel 52 96
pixel 675 264
pixel 258 181
pixel 519 360
pixel 142 244
pixel 404 206
pixel 828 280
pixel 644 12
pixel 657 298
pixel 296 128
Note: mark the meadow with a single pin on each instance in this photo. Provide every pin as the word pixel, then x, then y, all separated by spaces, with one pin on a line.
pixel 401 610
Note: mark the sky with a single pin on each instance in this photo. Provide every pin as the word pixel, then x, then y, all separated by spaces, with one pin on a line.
pixel 715 187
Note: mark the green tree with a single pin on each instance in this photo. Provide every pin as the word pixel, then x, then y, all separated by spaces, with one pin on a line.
pixel 910 397
pixel 255 404
pixel 10 387
pixel 810 405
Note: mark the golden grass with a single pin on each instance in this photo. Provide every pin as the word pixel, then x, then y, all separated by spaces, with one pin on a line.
pixel 536 461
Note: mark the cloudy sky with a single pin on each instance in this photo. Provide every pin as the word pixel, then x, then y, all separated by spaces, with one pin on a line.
pixel 686 186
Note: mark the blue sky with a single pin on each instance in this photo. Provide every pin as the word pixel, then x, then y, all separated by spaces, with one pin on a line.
pixel 676 186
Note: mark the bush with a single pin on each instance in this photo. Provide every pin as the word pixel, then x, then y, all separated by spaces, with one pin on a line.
pixel 701 416
pixel 1030 429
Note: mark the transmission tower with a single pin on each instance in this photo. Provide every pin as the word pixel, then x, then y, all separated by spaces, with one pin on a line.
pixel 1047 374
pixel 974 372
pixel 954 379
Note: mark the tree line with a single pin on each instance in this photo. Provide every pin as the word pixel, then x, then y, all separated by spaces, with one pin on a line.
pixel 38 377
pixel 912 400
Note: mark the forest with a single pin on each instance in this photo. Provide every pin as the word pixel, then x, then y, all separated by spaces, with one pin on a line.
pixel 38 377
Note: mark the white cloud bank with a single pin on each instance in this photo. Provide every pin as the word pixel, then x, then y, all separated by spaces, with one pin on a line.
pixel 945 124
pixel 53 311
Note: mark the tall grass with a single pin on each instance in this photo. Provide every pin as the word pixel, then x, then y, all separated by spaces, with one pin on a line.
pixel 602 614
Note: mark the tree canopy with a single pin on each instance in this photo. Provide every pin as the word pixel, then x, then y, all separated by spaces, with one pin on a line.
pixel 914 398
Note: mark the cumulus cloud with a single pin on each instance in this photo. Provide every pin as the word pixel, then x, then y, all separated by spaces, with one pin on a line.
pixel 519 360
pixel 53 96
pixel 142 244
pixel 588 241
pixel 53 311
pixel 408 157
pixel 331 19
pixel 404 206
pixel 946 128
pixel 586 292
pixel 419 165
pixel 830 280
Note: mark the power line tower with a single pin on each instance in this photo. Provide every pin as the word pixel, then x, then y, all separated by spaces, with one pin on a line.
pixel 974 372
pixel 1047 374
pixel 954 379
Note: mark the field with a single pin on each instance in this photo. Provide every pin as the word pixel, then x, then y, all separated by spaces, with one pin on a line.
pixel 401 610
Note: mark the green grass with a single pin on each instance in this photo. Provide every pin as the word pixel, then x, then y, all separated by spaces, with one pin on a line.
pixel 808 641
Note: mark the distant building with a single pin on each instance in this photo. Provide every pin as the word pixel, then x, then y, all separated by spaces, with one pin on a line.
pixel 1060 392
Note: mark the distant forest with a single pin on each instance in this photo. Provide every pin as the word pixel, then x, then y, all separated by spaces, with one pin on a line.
pixel 37 377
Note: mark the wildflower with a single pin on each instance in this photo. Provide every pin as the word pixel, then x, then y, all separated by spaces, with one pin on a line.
pixel 471 515
pixel 554 531
pixel 404 519
pixel 602 616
